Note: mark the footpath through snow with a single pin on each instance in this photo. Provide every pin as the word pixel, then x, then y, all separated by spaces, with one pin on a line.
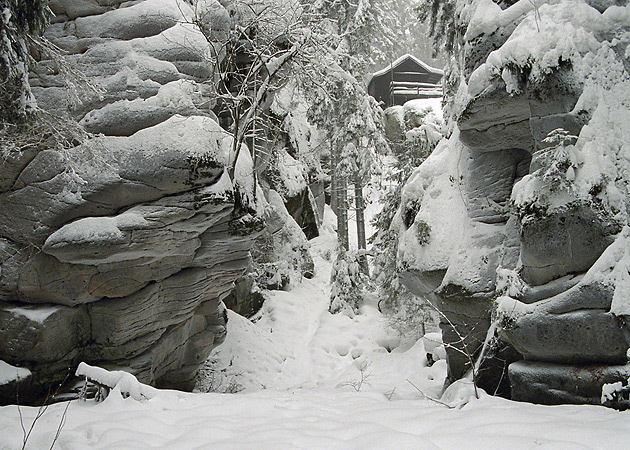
pixel 295 343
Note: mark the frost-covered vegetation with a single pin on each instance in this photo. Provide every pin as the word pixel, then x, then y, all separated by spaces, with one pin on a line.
pixel 413 130
pixel 20 22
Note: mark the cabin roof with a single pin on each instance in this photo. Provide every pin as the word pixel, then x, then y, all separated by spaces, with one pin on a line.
pixel 402 59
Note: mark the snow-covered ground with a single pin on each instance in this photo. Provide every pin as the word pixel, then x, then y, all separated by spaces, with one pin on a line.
pixel 295 343
pixel 312 380
pixel 316 419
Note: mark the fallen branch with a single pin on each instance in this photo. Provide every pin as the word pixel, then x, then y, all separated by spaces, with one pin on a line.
pixel 439 402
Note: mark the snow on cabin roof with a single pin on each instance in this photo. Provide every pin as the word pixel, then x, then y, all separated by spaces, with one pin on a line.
pixel 402 59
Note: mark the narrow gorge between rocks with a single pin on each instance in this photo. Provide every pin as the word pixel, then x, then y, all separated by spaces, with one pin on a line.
pixel 273 224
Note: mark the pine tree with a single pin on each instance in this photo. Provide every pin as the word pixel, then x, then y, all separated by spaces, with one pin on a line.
pixel 19 21
pixel 341 107
pixel 347 283
pixel 351 119
pixel 448 22
pixel 400 32
pixel 444 25
pixel 340 104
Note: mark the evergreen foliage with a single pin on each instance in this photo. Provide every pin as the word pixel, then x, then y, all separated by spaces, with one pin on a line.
pixel 400 32
pixel 353 27
pixel 347 283
pixel 341 107
pixel 378 30
pixel 339 104
pixel 444 25
pixel 19 19
pixel 408 312
pixel 28 17
pixel 385 240
pixel 352 120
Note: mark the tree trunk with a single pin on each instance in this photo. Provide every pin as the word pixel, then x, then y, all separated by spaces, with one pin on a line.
pixel 342 213
pixel 360 214
pixel 334 176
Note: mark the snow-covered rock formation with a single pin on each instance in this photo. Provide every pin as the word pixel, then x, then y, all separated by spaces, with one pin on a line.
pixel 119 250
pixel 528 199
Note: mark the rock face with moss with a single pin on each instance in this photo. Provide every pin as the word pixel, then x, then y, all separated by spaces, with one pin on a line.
pixel 117 250
pixel 526 203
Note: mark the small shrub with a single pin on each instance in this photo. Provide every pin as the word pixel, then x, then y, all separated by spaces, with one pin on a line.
pixel 423 232
pixel 213 379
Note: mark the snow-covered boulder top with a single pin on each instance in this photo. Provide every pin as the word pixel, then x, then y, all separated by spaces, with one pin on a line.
pixel 140 62
pixel 118 250
pixel 558 87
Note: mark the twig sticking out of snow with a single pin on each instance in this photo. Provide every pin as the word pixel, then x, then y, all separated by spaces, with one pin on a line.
pixel 439 402
pixel 40 412
pixel 461 339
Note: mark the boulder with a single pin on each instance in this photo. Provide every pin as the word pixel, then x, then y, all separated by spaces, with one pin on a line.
pixel 120 326
pixel 575 325
pixel 124 117
pixel 147 18
pixel 79 8
pixel 125 53
pixel 489 190
pixel 43 333
pixel 575 340
pixel 555 384
pixel 14 161
pixel 495 120
pixel 282 249
pixel 394 121
pixel 135 286
pixel 567 240
pixel 288 177
pixel 44 279
pixel 582 333
pixel 15 382
pixel 318 191
pixel 554 94
pixel 205 328
pixel 105 174
pixel 473 189
pixel 289 165
pixel 280 255
pixel 245 299
pixel 47 339
pixel 13 257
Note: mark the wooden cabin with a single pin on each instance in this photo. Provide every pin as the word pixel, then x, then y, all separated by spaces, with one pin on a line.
pixel 405 79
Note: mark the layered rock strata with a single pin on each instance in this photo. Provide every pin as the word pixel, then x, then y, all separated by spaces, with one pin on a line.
pixel 118 251
pixel 529 195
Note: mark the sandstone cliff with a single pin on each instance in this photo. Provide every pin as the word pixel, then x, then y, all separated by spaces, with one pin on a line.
pixel 119 250
pixel 528 198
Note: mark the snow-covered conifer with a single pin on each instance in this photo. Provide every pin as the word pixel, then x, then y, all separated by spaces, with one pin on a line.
pixel 18 21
